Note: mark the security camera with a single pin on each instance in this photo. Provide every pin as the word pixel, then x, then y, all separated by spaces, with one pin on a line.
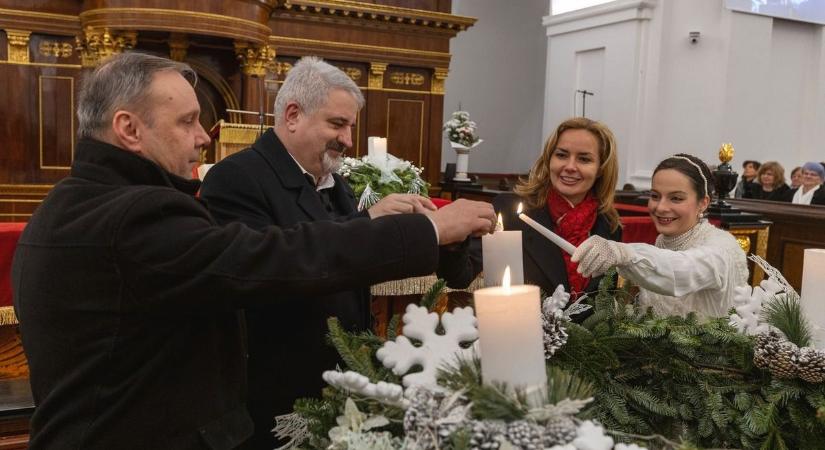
pixel 693 36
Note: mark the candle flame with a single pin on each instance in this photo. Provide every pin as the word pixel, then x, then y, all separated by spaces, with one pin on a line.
pixel 505 280
pixel 520 208
pixel 500 223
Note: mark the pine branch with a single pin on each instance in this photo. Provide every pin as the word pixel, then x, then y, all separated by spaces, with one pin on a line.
pixel 430 298
pixel 785 312
pixel 392 327
pixel 357 357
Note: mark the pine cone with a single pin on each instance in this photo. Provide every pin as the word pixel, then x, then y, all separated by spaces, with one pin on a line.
pixel 559 431
pixel 485 434
pixel 783 360
pixel 555 335
pixel 419 419
pixel 765 346
pixel 525 435
pixel 811 365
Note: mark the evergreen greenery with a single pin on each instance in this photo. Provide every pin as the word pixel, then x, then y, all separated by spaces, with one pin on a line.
pixel 673 381
pixel 688 380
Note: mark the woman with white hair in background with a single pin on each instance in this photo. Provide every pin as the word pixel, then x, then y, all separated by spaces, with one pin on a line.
pixel 811 192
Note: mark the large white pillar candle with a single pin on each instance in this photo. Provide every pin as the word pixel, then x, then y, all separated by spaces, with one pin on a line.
pixel 511 338
pixel 813 292
pixel 500 250
pixel 377 149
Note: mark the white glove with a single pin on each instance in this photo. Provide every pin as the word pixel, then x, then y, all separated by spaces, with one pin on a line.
pixel 597 255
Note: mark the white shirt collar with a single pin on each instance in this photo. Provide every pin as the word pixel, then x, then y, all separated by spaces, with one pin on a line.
pixel 327 181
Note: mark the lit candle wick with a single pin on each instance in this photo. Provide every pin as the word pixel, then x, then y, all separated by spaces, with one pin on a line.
pixel 555 238
pixel 500 223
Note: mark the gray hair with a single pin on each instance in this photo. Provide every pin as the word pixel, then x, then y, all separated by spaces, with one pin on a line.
pixel 121 82
pixel 308 84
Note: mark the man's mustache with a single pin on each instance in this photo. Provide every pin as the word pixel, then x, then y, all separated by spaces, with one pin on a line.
pixel 337 147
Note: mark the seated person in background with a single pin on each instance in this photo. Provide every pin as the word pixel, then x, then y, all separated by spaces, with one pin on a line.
pixel 286 178
pixel 796 177
pixel 569 190
pixel 771 186
pixel 810 192
pixel 694 266
pixel 748 180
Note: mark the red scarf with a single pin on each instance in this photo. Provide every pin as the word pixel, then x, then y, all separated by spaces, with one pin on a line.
pixel 573 223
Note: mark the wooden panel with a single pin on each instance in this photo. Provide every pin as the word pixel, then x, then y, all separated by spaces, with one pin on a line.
pixel 794 228
pixel 56 121
pixel 405 128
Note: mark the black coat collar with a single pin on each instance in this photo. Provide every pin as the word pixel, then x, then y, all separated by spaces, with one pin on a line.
pixel 273 151
pixel 108 164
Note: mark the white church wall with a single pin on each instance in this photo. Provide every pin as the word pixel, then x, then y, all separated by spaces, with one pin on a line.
pixel 497 75
pixel 755 81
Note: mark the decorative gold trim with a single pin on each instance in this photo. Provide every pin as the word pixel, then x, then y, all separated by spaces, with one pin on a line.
pixel 383 13
pixel 56 49
pixel 439 77
pixel 18 45
pixel 178 44
pixel 407 78
pixel 762 235
pixel 25 189
pixel 282 68
pixel 94 45
pixel 359 47
pixel 420 131
pixel 7 316
pixel 36 14
pixel 744 243
pixel 146 19
pixel 37 64
pixel 353 72
pixel 377 70
pixel 255 59
pixel 20 200
pixel 40 117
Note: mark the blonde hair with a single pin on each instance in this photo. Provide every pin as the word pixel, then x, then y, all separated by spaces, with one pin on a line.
pixel 778 173
pixel 535 188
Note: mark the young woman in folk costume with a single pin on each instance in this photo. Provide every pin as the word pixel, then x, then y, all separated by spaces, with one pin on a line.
pixel 694 266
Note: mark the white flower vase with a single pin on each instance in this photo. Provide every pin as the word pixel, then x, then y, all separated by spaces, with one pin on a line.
pixel 463 160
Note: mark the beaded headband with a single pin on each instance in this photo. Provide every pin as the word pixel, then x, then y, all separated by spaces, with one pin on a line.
pixel 698 169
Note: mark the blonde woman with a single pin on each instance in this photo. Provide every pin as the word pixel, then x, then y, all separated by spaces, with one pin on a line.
pixel 569 190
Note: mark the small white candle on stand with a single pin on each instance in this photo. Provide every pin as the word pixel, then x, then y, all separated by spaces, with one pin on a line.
pixel 812 297
pixel 511 338
pixel 555 238
pixel 377 149
pixel 500 250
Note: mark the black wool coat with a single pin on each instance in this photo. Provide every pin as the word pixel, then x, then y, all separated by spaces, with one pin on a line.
pixel 542 259
pixel 263 186
pixel 127 289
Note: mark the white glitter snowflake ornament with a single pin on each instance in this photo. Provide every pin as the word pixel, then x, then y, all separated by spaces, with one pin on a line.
pixel 460 326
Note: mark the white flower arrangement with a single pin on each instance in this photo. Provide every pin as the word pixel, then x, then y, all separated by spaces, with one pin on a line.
pixel 461 131
pixel 371 182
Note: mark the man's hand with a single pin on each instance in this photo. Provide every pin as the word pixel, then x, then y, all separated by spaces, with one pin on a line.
pixel 461 218
pixel 400 204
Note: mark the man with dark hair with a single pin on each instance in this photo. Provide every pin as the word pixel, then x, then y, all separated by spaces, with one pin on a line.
pixel 127 289
pixel 745 184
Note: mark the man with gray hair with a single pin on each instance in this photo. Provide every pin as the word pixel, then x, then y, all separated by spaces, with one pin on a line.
pixel 127 289
pixel 286 178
